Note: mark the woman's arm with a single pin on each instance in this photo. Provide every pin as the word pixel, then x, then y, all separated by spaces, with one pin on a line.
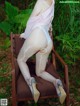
pixel 37 8
pixel 35 12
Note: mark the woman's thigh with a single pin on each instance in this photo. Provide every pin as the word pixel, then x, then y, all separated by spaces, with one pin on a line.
pixel 48 48
pixel 42 58
pixel 37 37
pixel 34 43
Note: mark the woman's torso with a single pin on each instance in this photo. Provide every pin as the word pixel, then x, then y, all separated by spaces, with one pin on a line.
pixel 34 24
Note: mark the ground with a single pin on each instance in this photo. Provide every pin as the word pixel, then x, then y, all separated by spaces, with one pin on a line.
pixel 5 81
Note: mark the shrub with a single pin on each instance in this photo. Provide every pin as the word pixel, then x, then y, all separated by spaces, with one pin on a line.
pixel 15 20
pixel 69 48
pixel 66 27
pixel 66 31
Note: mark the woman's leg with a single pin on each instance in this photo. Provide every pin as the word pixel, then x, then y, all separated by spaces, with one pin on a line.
pixel 41 60
pixel 25 53
pixel 31 45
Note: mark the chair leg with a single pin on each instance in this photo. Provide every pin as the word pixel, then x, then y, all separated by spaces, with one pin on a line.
pixel 67 100
pixel 14 102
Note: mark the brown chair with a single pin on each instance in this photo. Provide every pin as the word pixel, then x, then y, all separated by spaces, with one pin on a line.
pixel 20 89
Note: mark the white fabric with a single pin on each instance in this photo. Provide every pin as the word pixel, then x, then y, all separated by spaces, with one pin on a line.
pixel 38 18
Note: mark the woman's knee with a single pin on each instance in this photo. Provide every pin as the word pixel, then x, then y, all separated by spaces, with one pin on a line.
pixel 18 59
pixel 23 56
pixel 39 73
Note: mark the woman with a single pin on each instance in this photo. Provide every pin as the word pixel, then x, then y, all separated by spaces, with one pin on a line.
pixel 37 40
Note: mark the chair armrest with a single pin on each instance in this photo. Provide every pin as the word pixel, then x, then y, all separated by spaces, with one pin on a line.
pixel 59 57
pixel 66 79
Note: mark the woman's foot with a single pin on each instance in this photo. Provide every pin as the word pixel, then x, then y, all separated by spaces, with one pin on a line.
pixel 60 91
pixel 62 97
pixel 34 90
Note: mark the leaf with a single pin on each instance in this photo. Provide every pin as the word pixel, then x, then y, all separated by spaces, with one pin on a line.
pixel 5 27
pixel 11 10
pixel 27 11
pixel 22 19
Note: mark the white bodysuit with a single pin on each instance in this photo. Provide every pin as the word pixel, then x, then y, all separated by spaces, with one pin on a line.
pixel 42 20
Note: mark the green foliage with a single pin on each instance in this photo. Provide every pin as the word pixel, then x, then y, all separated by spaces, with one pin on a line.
pixel 66 24
pixel 15 20
pixel 66 19
pixel 4 68
pixel 2 14
pixel 7 44
pixel 8 24
pixel 22 18
pixel 69 47
pixel 11 11
pixel 2 95
pixel 66 31
pixel 6 27
pixel 78 98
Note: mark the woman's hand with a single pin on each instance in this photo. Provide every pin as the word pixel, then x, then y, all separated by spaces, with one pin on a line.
pixel 37 8
pixel 22 35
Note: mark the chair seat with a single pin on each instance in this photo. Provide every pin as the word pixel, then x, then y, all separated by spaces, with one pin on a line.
pixel 46 88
